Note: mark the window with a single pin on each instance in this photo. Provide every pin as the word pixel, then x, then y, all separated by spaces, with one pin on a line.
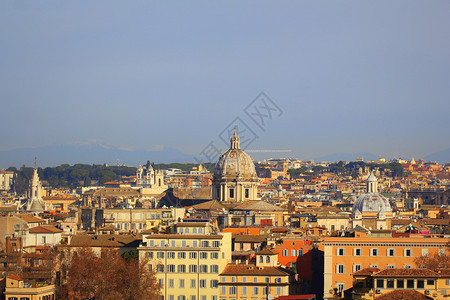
pixel 340 251
pixel 223 290
pixel 181 255
pixel 194 243
pixel 159 254
pixel 181 297
pixel 261 259
pixel 181 283
pixel 264 290
pixel 278 280
pixel 160 268
pixel 390 252
pixel 278 291
pixel 340 287
pixel 424 252
pixel 255 290
pixel 203 255
pixel 255 279
pixel 171 283
pixel 400 283
pixel 181 268
pixel 357 252
pixel 299 252
pixel 266 279
pixel 214 255
pixel 390 284
pixel 194 230
pixel 267 259
pixel 293 252
pixel 149 254
pixel 420 284
pixel 430 282
pixel 44 240
pixel 151 243
pixel 410 283
pixel 161 282
pixel 407 252
pixel 233 279
pixel 244 290
pixel 172 243
pixel 340 269
pixel 205 244
pixel 162 243
pixel 193 255
pixel 231 193
pixel 356 268
pixel 441 252
pixel 203 269
pixel 374 252
pixel 202 283
pixel 170 254
pixel 183 243
pixel 391 266
pixel 374 266
pixel 170 268
pixel 186 230
pixel 192 268
pixel 232 290
pixel 285 253
pixel 214 284
pixel 214 269
pixel 407 266
pixel 216 244
pixel 193 298
pixel 380 283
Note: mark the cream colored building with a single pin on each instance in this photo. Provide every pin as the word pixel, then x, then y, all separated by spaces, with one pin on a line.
pixel 187 266
pixel 6 178
pixel 235 177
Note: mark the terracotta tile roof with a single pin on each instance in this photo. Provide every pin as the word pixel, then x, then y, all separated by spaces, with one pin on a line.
pixel 437 221
pixel 15 277
pixel 30 218
pixel 444 272
pixel 249 238
pixel 266 251
pixel 105 240
pixel 423 272
pixel 233 269
pixel 403 294
pixel 185 236
pixel 258 205
pixel 366 271
pixel 45 229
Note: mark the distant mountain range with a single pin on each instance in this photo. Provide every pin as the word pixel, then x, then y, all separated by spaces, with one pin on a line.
pixel 441 157
pixel 88 154
pixel 99 154
pixel 346 157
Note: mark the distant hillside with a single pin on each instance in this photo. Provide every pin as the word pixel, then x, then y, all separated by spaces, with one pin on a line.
pixel 441 157
pixel 88 154
pixel 334 157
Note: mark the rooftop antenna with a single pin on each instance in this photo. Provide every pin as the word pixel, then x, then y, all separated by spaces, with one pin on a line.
pixel 35 162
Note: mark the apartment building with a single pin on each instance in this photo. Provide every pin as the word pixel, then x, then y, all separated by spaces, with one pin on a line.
pixel 344 256
pixel 187 266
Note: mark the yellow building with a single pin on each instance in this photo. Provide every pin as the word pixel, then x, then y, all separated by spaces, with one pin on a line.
pixel 344 256
pixel 16 289
pixel 187 265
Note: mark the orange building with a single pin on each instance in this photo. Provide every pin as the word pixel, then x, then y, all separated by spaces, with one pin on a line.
pixel 291 252
pixel 344 256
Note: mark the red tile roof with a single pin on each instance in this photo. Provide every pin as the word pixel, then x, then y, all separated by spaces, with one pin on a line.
pixel 15 277
pixel 403 294
pixel 366 271
pixel 45 229
pixel 233 269
pixel 423 272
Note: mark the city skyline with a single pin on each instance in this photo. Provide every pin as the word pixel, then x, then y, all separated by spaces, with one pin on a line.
pixel 350 77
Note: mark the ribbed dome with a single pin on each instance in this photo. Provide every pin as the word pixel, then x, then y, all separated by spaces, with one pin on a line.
pixel 372 203
pixel 235 162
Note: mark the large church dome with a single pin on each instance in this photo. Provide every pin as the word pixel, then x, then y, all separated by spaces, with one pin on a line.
pixel 235 162
pixel 372 201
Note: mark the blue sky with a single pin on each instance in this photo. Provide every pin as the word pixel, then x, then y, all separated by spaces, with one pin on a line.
pixel 349 76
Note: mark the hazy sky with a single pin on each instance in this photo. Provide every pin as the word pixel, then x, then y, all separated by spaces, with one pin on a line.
pixel 348 76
